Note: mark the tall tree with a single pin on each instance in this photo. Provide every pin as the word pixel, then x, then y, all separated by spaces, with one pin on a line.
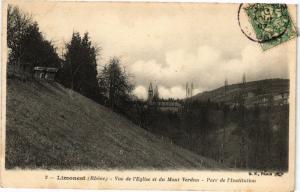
pixel 115 84
pixel 27 46
pixel 17 28
pixel 39 51
pixel 79 70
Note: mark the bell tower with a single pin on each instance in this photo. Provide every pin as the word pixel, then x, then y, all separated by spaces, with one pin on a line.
pixel 150 92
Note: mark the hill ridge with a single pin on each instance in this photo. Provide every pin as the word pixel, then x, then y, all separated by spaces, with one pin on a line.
pixel 254 90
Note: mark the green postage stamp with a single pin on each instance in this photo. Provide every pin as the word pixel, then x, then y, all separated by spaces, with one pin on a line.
pixel 272 24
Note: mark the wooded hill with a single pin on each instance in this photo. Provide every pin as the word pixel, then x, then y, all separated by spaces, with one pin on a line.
pixel 253 91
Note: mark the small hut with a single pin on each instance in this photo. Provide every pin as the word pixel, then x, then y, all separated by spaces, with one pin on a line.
pixel 39 72
pixel 47 73
pixel 50 73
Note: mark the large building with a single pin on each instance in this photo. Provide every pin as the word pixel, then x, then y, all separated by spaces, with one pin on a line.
pixel 152 93
pixel 154 101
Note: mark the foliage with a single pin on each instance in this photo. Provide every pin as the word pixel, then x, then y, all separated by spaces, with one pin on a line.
pixel 79 71
pixel 27 46
pixel 115 85
pixel 240 137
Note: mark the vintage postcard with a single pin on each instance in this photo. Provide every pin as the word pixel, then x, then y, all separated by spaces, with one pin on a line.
pixel 144 95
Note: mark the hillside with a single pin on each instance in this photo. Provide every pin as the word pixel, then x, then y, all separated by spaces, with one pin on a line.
pixel 254 91
pixel 51 127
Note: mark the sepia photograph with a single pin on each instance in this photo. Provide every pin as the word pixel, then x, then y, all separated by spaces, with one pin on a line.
pixel 132 86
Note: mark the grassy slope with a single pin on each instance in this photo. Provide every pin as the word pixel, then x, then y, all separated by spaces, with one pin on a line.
pixel 49 126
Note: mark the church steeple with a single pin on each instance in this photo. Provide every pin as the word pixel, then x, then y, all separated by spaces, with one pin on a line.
pixel 150 92
pixel 189 88
pixel 225 86
pixel 156 95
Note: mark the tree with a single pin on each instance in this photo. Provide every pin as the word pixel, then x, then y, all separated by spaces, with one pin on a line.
pixel 17 28
pixel 115 84
pixel 27 46
pixel 39 52
pixel 79 71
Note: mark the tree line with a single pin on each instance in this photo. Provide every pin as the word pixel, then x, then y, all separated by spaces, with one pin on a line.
pixel 240 137
pixel 28 48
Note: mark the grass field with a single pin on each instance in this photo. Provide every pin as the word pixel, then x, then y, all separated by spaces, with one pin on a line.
pixel 51 127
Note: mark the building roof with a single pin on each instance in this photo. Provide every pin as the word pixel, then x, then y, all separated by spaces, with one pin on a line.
pixel 48 69
pixel 51 69
pixel 39 68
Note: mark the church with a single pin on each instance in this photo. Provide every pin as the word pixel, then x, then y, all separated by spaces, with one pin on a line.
pixel 152 93
pixel 154 101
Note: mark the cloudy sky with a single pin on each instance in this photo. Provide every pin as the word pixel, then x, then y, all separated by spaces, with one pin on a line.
pixel 167 44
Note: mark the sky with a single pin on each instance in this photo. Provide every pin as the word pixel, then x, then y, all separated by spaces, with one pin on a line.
pixel 168 44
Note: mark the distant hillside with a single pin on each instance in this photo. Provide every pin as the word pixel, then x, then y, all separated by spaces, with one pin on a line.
pixel 253 91
pixel 49 127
